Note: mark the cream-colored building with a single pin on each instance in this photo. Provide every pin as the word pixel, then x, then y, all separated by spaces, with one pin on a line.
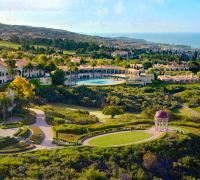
pixel 21 70
pixel 171 67
pixel 132 76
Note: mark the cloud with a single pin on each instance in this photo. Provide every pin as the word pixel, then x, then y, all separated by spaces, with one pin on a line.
pixel 30 5
pixel 102 12
pixel 159 1
pixel 119 7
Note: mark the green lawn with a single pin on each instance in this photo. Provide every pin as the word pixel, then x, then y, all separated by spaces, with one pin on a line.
pixel 127 117
pixel 69 52
pixel 185 111
pixel 197 109
pixel 119 139
pixel 9 44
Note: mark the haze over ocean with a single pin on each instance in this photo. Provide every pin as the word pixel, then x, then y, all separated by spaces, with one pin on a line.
pixel 190 39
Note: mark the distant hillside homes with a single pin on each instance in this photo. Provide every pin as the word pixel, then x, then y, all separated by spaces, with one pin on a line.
pixel 124 54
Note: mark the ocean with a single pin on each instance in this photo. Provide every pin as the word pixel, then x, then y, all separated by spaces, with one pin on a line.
pixel 189 39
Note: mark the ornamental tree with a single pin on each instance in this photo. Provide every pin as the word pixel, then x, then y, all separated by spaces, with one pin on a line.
pixel 5 103
pixel 23 90
pixel 112 111
pixel 58 77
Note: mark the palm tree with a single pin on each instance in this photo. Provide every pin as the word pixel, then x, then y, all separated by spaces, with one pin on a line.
pixel 75 69
pixel 93 64
pixel 71 67
pixel 11 65
pixel 101 62
pixel 29 67
pixel 5 103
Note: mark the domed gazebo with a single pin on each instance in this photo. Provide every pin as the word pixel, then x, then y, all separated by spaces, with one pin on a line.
pixel 161 121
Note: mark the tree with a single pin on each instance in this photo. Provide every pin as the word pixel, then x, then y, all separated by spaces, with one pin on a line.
pixel 92 174
pixel 150 161
pixel 5 103
pixel 58 77
pixel 101 62
pixel 147 64
pixel 50 66
pixel 29 67
pixel 23 91
pixel 11 65
pixel 194 66
pixel 93 64
pixel 198 74
pixel 113 111
pixel 71 67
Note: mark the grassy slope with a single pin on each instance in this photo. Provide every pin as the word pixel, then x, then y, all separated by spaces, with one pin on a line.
pixel 185 111
pixel 97 112
pixel 9 44
pixel 119 138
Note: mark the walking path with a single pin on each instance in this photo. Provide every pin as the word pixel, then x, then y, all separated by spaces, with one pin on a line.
pixel 155 135
pixel 7 132
pixel 48 134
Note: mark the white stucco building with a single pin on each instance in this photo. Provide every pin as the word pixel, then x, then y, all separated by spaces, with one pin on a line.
pixel 21 70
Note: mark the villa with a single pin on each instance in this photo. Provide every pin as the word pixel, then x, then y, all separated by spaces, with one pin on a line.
pixel 132 76
pixel 188 78
pixel 171 67
pixel 20 69
pixel 122 54
pixel 75 60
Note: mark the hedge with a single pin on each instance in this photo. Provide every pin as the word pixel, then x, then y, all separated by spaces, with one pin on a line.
pixel 37 135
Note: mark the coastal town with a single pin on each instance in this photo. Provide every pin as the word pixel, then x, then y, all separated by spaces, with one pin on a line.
pixel 71 109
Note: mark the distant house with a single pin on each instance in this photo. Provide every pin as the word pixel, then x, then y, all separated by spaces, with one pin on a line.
pixel 76 60
pixel 122 54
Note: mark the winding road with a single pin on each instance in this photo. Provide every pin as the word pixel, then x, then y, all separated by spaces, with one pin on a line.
pixel 48 133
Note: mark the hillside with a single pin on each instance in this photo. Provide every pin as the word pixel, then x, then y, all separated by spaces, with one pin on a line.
pixel 8 31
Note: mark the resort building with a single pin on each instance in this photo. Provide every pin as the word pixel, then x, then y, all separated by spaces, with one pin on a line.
pixel 171 67
pixel 132 76
pixel 21 70
pixel 161 121
pixel 188 78
pixel 3 72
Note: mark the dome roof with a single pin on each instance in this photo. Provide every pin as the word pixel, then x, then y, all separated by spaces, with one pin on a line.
pixel 162 115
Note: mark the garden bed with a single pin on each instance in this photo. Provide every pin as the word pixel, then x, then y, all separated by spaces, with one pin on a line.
pixel 37 135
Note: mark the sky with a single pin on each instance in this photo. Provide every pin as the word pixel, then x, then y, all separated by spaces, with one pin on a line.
pixel 104 16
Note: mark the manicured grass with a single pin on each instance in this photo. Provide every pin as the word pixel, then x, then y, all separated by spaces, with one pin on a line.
pixel 69 52
pixel 9 44
pixel 93 111
pixel 197 109
pixel 185 111
pixel 117 139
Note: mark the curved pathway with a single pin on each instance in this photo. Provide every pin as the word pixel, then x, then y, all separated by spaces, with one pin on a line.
pixel 48 134
pixel 155 135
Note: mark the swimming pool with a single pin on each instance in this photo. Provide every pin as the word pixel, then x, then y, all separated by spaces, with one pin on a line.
pixel 100 82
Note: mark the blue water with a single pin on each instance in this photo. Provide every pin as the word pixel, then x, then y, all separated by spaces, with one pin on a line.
pixel 189 39
pixel 98 82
